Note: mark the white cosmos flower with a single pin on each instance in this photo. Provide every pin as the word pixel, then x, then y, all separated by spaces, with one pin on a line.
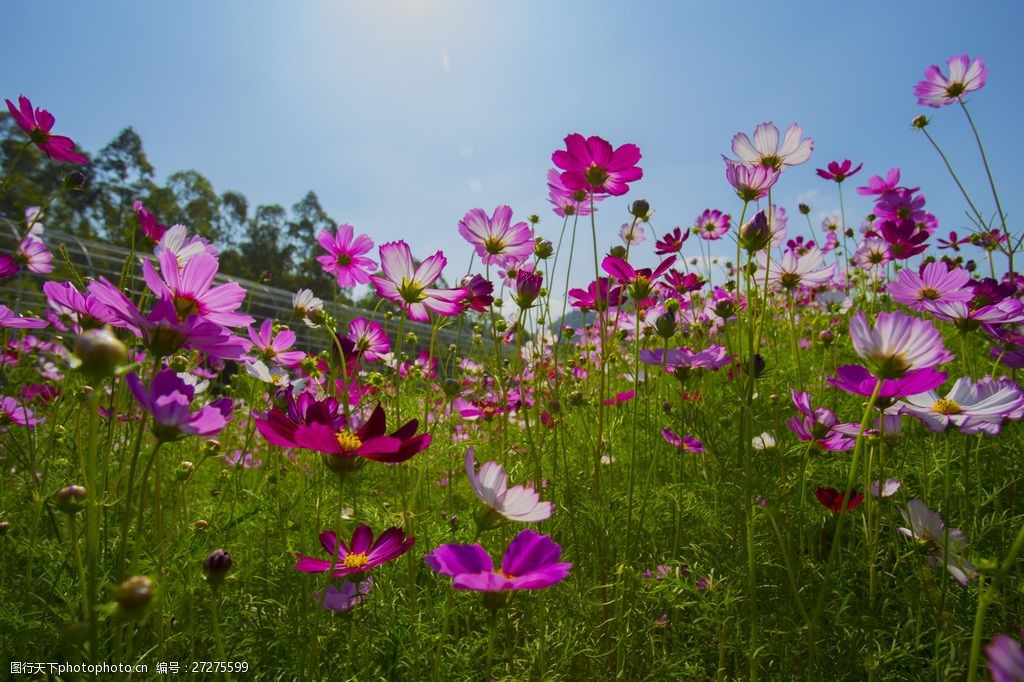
pixel 519 503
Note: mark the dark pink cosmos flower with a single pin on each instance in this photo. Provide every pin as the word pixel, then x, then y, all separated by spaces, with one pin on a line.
pixel 409 286
pixel 639 283
pixel 38 124
pixel 684 443
pixel 953 242
pixel 904 237
pixel 358 556
pixel 901 204
pixel 592 165
pixel 819 426
pixel 935 283
pixel 713 357
pixel 530 563
pixel 750 182
pixel 169 400
pixel 11 320
pixel 599 296
pixel 567 201
pixel 345 258
pixel 8 268
pixel 351 595
pixel 368 338
pixel 496 240
pixel 191 289
pixel 321 426
pixel 765 150
pixel 832 499
pixel 675 283
pixel 965 75
pixel 671 242
pixel 273 348
pixel 528 287
pixel 161 329
pixel 837 172
pixel 153 230
pixel 33 255
pixel 479 293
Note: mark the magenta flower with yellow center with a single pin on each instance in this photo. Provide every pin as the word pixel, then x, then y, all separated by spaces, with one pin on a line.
pixel 965 75
pixel 590 164
pixel 358 556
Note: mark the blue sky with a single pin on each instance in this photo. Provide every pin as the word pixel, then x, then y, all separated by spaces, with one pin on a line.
pixel 404 115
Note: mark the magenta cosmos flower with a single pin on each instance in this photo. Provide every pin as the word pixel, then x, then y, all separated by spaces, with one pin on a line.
pixel 368 338
pixel 358 556
pixel 750 182
pixel 519 503
pixel 169 400
pixel 591 164
pixel 192 289
pixel 936 282
pixel 837 172
pixel 344 257
pixel 38 124
pixel 153 230
pixel 965 75
pixel 496 240
pixel 684 443
pixel 671 242
pixel 11 320
pixel 765 150
pixel 1005 659
pixel 409 286
pixel 530 563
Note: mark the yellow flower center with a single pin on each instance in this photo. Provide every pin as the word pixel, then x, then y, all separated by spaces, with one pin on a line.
pixel 356 560
pixel 348 441
pixel 930 294
pixel 946 406
pixel 494 245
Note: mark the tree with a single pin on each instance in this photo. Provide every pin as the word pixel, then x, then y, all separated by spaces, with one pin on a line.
pixel 123 174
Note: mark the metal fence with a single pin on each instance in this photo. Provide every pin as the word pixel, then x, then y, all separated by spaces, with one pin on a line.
pixel 93 259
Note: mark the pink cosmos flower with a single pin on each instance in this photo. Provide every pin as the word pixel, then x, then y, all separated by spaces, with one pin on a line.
pixel 162 331
pixel 567 201
pixel 967 318
pixel 11 320
pixel 38 124
pixel 750 182
pixel 169 399
pixel 935 283
pixel 369 339
pixel 794 271
pixel 13 412
pixel 818 426
pixel 632 233
pixel 479 293
pixel 711 224
pixel 897 344
pixel 598 296
pixel 877 185
pixel 1005 659
pixel 531 563
pixel 192 291
pixel 837 172
pixel 519 503
pixel 591 164
pixel 859 380
pixel 965 75
pixel 685 443
pixel 358 556
pixel 965 406
pixel 409 287
pixel 344 257
pixel 495 238
pixel 177 240
pixel 942 544
pixel 274 348
pixel 351 595
pixel 765 150
pixel 873 253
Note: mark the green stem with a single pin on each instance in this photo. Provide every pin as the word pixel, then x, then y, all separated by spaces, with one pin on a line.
pixel 985 598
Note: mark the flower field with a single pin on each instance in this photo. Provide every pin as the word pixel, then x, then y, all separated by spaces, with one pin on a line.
pixel 800 464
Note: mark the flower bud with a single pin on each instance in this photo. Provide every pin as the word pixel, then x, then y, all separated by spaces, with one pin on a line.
pixel 185 469
pixel 71 499
pixel 135 593
pixel 665 325
pixel 74 180
pixel 451 387
pixel 200 524
pixel 5 526
pixel 179 363
pixel 756 234
pixel 554 406
pixel 826 336
pixel 533 218
pixel 100 352
pixel 543 249
pixel 216 565
pixel 920 122
pixel 640 209
pixel 618 251
pixel 804 208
